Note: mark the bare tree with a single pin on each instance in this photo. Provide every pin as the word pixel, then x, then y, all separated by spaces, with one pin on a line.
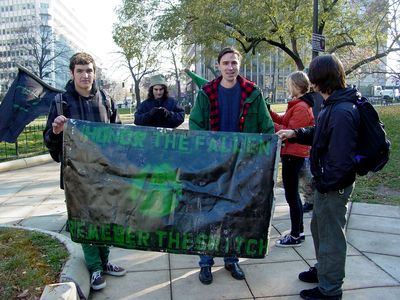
pixel 114 89
pixel 139 67
pixel 174 71
pixel 139 52
pixel 40 48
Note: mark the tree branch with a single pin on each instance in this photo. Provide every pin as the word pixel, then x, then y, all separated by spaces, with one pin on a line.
pixel 370 59
pixel 342 45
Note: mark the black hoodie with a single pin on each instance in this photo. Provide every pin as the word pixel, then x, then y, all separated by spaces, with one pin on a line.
pixel 308 98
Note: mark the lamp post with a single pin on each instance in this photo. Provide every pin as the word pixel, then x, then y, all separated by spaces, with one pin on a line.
pixel 315 24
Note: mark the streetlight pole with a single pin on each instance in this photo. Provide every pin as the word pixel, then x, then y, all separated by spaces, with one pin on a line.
pixel 315 24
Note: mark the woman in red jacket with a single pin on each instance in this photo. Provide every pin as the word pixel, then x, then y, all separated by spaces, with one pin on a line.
pixel 298 114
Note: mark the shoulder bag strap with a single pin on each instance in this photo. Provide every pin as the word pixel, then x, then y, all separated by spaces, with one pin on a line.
pixel 59 104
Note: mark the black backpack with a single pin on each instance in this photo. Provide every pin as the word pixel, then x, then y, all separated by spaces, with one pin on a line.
pixel 373 147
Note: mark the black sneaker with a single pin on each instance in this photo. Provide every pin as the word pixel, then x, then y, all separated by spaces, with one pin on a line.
pixel 315 293
pixel 302 237
pixel 97 281
pixel 308 207
pixel 310 276
pixel 236 271
pixel 113 270
pixel 288 241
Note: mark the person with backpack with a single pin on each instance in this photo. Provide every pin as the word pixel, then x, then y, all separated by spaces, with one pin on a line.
pixel 83 100
pixel 333 165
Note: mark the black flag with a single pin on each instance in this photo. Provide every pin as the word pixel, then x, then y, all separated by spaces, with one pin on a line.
pixel 26 99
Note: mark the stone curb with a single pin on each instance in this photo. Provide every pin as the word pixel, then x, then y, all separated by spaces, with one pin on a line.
pixel 74 269
pixel 60 291
pixel 25 162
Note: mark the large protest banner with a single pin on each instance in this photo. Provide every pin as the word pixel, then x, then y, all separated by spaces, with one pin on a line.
pixel 190 192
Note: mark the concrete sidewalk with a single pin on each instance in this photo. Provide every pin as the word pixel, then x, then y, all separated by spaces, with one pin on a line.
pixel 31 197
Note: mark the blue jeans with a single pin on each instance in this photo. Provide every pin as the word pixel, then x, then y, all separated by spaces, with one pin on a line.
pixel 328 231
pixel 208 261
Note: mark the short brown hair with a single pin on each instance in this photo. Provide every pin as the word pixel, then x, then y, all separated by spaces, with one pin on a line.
pixel 81 58
pixel 327 73
pixel 300 80
pixel 228 50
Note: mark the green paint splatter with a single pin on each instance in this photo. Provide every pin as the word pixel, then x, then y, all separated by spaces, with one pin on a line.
pixel 156 190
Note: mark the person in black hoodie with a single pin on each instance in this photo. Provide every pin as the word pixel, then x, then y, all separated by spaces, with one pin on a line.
pixel 159 110
pixel 332 159
pixel 83 101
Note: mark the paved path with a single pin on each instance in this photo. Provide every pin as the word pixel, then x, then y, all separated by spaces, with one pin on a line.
pixel 31 197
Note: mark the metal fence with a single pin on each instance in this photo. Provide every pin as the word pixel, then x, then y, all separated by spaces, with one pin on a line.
pixel 29 143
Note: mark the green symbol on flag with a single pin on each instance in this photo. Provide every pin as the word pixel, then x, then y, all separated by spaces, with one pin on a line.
pixel 156 189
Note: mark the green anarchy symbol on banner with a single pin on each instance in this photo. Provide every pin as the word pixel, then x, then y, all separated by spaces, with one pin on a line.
pixel 156 190
pixel 26 92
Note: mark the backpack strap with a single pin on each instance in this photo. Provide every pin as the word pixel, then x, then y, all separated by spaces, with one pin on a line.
pixel 107 104
pixel 59 104
pixel 56 154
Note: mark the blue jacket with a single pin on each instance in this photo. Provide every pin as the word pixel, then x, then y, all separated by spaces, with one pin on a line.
pixel 172 119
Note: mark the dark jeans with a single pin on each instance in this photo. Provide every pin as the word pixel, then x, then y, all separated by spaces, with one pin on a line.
pixel 291 166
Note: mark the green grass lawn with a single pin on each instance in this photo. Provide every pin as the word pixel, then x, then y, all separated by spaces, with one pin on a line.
pixel 383 187
pixel 279 108
pixel 28 262
pixel 29 143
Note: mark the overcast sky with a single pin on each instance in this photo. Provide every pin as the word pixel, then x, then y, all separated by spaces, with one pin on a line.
pixel 99 16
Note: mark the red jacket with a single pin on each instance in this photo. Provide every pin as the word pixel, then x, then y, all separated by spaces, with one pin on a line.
pixel 298 114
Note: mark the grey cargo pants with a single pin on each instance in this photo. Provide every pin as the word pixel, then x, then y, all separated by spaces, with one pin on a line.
pixel 328 231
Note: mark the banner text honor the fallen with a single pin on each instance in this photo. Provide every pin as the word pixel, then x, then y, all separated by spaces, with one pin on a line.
pixel 190 192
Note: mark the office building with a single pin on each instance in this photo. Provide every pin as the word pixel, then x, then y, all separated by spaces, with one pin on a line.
pixel 40 35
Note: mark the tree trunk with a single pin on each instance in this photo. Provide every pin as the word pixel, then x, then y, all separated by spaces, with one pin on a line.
pixel 137 93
